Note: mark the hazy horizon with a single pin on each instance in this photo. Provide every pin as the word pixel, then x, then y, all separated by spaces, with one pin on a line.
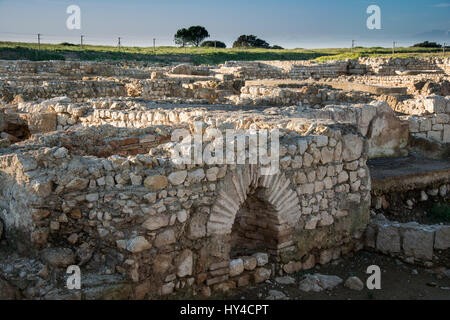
pixel 288 23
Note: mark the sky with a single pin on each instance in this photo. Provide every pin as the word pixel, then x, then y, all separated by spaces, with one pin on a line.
pixel 288 23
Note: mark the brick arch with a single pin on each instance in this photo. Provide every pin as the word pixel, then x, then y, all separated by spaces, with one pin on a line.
pixel 233 191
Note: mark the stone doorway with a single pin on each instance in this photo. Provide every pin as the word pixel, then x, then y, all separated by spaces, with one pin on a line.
pixel 252 229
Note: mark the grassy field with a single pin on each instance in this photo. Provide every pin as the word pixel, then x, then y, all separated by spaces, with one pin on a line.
pixel 29 51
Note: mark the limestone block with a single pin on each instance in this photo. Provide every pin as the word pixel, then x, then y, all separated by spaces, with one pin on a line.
pixel 418 243
pixel 197 226
pixel 446 135
pixel 262 274
pixel 156 182
pixel 388 239
pixel 435 104
pixel 41 122
pixel 435 135
pixel 442 238
pixel 184 263
pixel 387 135
pixel 236 267
pixel 353 146
pixel 249 262
pixel 138 244
pixel 261 258
pixel 156 222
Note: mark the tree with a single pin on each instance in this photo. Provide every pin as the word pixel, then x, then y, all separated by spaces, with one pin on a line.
pixel 194 36
pixel 250 41
pixel 182 37
pixel 427 44
pixel 197 34
pixel 214 44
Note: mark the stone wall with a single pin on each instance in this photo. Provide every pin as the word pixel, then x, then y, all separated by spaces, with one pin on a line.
pixel 387 135
pixel 73 89
pixel 131 69
pixel 431 119
pixel 172 225
pixel 301 70
pixel 311 95
pixel 389 66
pixel 298 70
pixel 411 242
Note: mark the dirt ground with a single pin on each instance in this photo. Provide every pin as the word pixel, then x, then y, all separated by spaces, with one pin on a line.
pixel 399 281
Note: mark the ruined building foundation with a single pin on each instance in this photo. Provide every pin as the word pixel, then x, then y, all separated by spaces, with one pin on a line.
pixel 88 179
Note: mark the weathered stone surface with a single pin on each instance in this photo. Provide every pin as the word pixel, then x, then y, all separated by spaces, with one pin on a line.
pixel 418 243
pixel 197 226
pixel 354 283
pixel 156 222
pixel 262 274
pixel 276 295
pixel 77 184
pixel 236 267
pixel 178 177
pixel 184 263
pixel 196 175
pixel 42 122
pixel 388 239
pixel 285 280
pixel 162 263
pixel 292 267
pixel 59 257
pixel 138 244
pixel 261 258
pixel 249 262
pixel 319 282
pixel 156 182
pixel 165 238
pixel 442 238
pixel 353 146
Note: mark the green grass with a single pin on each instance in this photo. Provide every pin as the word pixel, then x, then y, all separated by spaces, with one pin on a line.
pixel 67 51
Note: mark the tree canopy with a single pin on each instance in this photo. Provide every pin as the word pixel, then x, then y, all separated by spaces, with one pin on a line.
pixel 250 41
pixel 214 43
pixel 181 38
pixel 194 35
pixel 427 44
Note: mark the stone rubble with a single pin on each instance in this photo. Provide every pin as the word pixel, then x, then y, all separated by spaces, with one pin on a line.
pixel 319 282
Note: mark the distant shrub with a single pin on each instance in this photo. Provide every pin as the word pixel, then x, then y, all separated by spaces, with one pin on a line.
pixel 214 43
pixel 67 44
pixel 277 47
pixel 427 44
pixel 250 41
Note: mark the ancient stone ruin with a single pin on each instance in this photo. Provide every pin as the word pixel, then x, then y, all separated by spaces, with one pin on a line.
pixel 88 178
